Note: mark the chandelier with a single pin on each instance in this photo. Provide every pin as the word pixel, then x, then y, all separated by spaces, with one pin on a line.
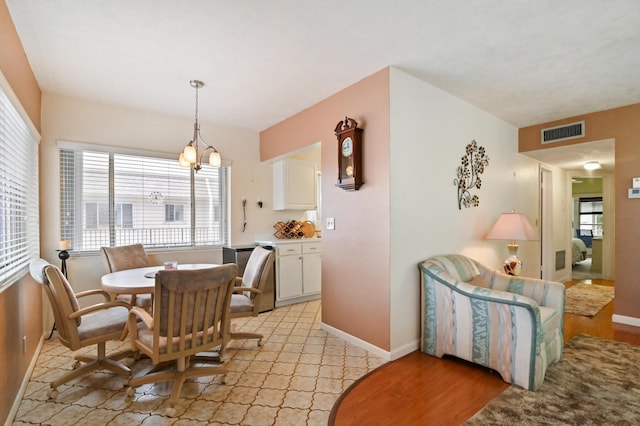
pixel 190 156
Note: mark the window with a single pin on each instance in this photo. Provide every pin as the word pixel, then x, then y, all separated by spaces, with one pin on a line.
pixel 19 229
pixel 112 199
pixel 590 211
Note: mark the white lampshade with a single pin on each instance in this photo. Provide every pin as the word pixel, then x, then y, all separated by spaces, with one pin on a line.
pixel 512 226
pixel 182 162
pixel 215 160
pixel 190 154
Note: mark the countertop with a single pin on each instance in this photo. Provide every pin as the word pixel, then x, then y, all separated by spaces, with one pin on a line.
pixel 274 241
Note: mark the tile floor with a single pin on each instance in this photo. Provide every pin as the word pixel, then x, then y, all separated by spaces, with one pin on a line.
pixel 294 378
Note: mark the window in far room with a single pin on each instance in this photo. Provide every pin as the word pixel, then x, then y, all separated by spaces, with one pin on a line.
pixel 590 211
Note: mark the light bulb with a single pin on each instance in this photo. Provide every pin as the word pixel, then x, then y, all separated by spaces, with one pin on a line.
pixel 182 162
pixel 215 160
pixel 190 154
pixel 592 165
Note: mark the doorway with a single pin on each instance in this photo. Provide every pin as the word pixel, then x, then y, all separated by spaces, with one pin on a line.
pixel 587 220
pixel 567 162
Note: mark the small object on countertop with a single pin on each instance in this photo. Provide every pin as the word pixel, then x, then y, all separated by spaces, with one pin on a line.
pixel 308 229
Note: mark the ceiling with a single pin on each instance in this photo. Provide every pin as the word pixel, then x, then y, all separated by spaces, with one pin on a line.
pixel 573 157
pixel 525 61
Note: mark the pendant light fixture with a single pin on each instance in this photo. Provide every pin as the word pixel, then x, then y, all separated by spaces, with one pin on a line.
pixel 190 156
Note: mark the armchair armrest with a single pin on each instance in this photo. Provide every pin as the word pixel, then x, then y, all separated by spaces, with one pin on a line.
pixel 137 312
pixel 249 289
pixel 546 293
pixel 93 292
pixel 97 307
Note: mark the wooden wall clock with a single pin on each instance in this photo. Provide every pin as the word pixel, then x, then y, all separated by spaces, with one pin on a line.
pixel 350 170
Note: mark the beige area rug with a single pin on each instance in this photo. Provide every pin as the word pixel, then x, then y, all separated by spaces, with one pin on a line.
pixel 596 383
pixel 587 299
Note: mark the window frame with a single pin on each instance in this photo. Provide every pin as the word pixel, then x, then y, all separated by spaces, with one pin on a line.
pixel 19 188
pixel 190 220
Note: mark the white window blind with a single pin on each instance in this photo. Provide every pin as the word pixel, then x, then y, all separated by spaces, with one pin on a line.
pixel 114 199
pixel 19 228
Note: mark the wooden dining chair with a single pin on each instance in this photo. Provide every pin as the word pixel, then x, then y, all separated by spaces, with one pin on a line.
pixel 190 315
pixel 121 258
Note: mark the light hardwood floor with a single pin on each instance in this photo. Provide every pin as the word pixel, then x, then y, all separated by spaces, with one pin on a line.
pixel 421 389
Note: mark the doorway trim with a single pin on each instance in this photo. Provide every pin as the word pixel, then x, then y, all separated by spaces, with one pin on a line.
pixel 547 257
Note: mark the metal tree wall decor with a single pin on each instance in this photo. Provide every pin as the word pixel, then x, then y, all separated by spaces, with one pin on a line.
pixel 473 163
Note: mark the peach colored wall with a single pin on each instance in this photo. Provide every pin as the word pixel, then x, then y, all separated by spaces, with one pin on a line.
pixel 355 256
pixel 16 68
pixel 21 302
pixel 623 124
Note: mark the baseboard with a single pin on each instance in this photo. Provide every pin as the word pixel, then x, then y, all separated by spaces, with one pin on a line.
pixel 25 382
pixel 386 355
pixel 405 350
pixel 622 319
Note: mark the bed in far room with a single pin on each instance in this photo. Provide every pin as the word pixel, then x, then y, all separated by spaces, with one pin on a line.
pixel 578 250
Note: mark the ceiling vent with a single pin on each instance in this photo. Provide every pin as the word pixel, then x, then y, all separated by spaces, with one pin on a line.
pixel 562 133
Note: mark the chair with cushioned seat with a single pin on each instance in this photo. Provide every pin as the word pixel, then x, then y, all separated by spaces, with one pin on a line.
pixel 121 258
pixel 245 301
pixel 511 324
pixel 190 315
pixel 80 327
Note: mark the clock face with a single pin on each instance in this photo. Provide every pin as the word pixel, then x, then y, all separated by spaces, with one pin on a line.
pixel 347 147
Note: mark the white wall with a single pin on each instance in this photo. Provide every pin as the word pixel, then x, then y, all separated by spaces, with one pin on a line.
pixel 70 119
pixel 429 132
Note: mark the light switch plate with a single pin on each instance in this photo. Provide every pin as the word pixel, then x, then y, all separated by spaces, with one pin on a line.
pixel 331 223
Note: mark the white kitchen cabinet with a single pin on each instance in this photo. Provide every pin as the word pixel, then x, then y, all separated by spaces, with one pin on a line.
pixel 294 185
pixel 298 272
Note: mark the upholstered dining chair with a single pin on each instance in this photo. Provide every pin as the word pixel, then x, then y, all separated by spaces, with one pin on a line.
pixel 190 315
pixel 121 258
pixel 245 301
pixel 80 327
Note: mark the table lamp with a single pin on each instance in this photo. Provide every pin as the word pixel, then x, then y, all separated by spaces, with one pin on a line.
pixel 512 226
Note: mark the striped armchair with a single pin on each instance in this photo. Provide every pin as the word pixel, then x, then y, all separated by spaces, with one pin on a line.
pixel 513 325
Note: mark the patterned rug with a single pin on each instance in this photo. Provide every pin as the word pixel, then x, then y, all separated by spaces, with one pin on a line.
pixel 587 299
pixel 596 383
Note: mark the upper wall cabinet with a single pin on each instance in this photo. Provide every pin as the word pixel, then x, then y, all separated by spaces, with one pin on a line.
pixel 294 185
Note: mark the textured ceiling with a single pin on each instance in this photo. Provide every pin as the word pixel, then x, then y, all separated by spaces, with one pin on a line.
pixel 525 61
pixel 573 157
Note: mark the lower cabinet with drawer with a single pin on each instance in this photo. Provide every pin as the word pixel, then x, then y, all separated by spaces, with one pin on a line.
pixel 298 272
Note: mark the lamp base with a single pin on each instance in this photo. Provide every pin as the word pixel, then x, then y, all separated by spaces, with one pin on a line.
pixel 512 266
